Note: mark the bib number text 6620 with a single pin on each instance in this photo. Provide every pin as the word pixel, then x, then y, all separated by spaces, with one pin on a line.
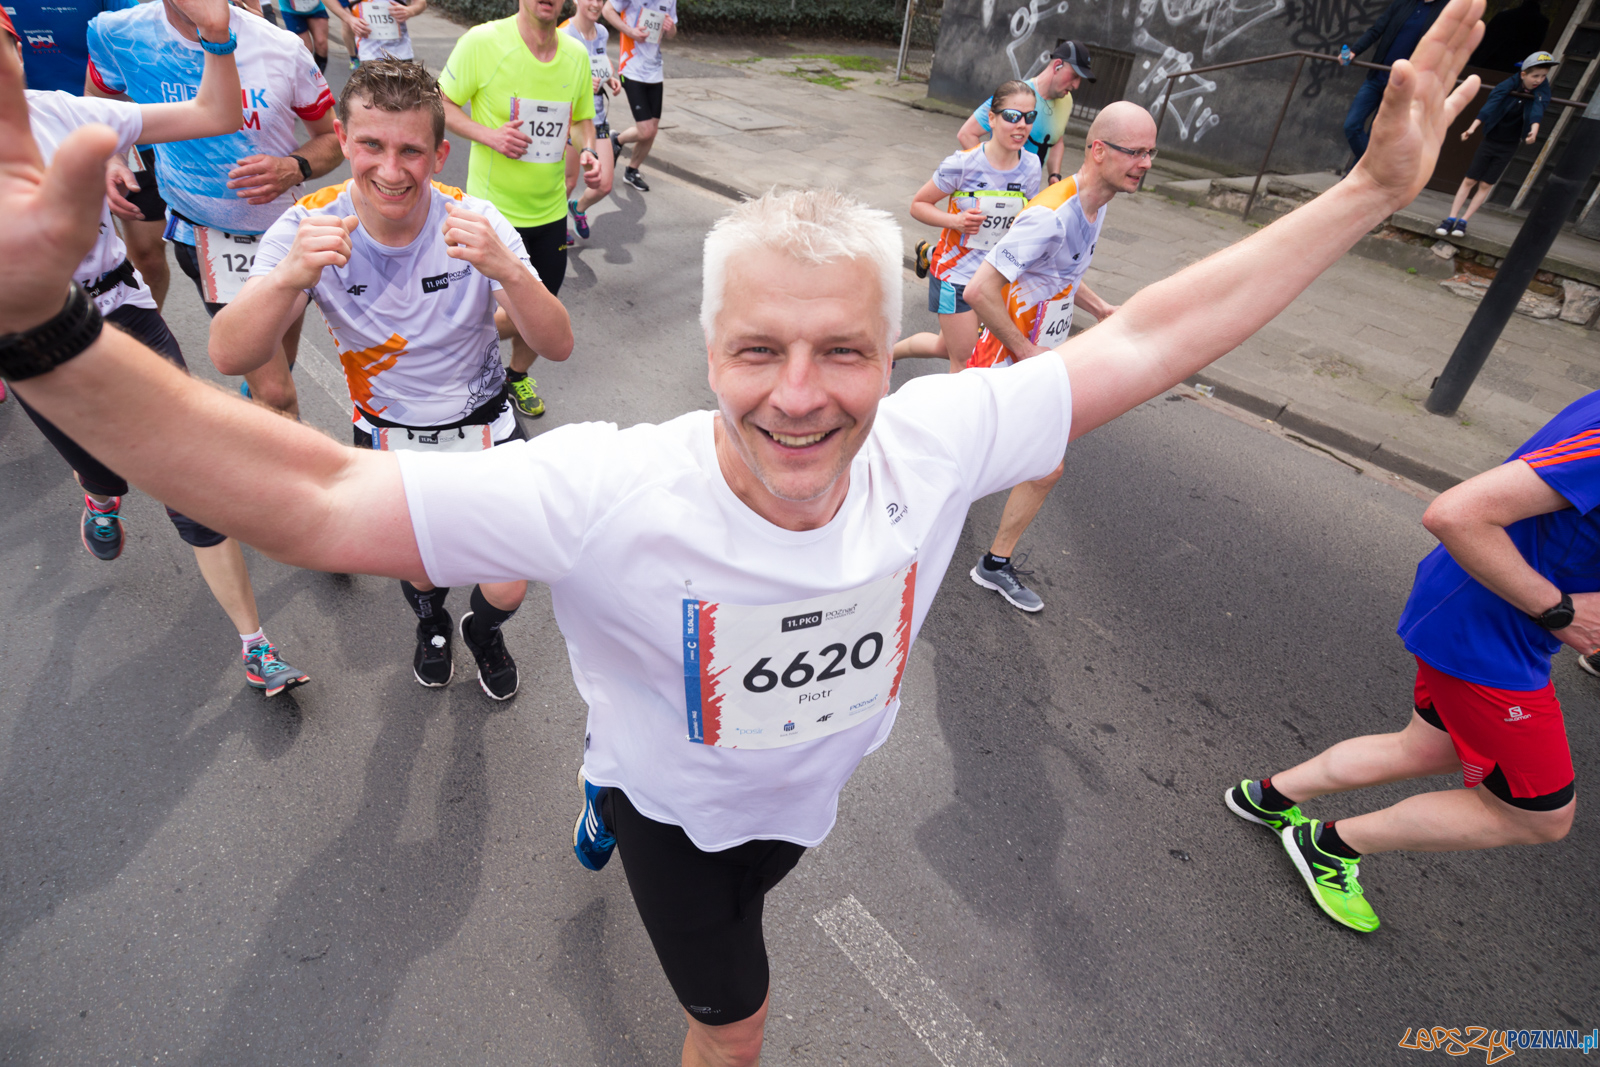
pixel 832 659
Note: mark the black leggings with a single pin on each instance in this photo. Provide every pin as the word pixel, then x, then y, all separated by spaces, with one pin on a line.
pixel 701 909
pixel 147 326
pixel 547 251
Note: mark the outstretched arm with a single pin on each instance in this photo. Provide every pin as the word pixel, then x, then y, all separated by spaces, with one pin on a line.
pixel 215 108
pixel 1176 327
pixel 213 467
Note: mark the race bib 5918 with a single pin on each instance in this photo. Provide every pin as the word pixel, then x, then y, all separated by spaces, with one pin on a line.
pixel 766 677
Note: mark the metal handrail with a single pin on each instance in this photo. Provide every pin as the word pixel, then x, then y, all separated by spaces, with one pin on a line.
pixel 1302 55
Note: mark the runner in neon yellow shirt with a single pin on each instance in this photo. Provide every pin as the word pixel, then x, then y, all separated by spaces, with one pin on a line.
pixel 516 163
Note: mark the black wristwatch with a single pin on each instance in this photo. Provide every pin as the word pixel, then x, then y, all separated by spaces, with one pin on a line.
pixel 1557 618
pixel 50 344
pixel 1055 177
pixel 305 167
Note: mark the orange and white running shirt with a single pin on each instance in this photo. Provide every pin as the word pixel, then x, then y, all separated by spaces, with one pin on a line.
pixel 1043 260
pixel 414 328
pixel 973 181
pixel 640 60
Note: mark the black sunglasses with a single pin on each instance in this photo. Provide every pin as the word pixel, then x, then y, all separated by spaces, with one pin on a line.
pixel 1136 153
pixel 1011 114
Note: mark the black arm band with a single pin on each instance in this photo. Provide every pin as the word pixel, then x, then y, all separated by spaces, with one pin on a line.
pixel 50 344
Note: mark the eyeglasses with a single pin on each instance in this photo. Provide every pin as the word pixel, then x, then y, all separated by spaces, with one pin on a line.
pixel 1136 153
pixel 1011 114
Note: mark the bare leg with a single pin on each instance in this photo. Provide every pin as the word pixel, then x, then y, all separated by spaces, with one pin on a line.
pixel 1415 752
pixel 224 569
pixel 734 1045
pixel 148 252
pixel 319 38
pixel 1461 196
pixel 1021 506
pixel 591 197
pixel 960 338
pixel 350 44
pixel 507 596
pixel 641 136
pixel 1478 200
pixel 1454 820
pixel 921 346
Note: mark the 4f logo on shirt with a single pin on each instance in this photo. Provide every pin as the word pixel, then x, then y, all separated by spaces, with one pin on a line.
pixel 357 290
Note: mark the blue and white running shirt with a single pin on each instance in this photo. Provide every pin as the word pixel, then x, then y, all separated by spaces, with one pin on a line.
pixel 137 52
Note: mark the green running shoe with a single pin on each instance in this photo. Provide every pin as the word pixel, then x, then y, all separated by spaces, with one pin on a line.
pixel 1331 879
pixel 1241 803
pixel 524 394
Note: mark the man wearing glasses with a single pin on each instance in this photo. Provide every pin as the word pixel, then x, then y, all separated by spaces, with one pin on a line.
pixel 1066 69
pixel 1025 291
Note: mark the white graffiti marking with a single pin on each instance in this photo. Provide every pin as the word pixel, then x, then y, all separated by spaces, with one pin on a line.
pixel 1023 22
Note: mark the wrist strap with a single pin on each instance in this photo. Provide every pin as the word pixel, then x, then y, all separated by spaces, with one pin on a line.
pixel 50 344
pixel 224 49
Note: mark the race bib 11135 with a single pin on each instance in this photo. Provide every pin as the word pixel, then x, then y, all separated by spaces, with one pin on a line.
pixel 777 675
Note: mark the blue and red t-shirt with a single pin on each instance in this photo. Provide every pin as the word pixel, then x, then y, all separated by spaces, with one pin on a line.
pixel 1456 625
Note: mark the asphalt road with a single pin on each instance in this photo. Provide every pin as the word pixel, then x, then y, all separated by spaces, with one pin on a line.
pixel 367 872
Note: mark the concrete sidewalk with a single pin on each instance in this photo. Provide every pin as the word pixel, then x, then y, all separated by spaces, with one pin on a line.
pixel 1347 365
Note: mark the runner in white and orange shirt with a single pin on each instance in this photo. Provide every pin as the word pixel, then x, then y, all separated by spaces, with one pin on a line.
pixel 1026 290
pixel 408 274
pixel 379 28
pixel 985 188
pixel 642 26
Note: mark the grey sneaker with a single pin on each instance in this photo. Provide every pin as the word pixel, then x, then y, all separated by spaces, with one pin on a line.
pixel 1005 582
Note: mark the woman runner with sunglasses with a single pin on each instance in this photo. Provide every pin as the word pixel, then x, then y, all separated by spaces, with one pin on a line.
pixel 987 187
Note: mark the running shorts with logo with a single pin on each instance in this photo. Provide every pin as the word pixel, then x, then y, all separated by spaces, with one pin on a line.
pixel 709 713
pixel 645 99
pixel 546 247
pixel 599 66
pixel 413 327
pixel 945 298
pixel 146 326
pixel 1459 628
pixel 1049 125
pixel 1512 742
pixel 701 909
pixel 370 50
pixel 137 52
pixel 1043 260
pixel 639 60
pixel 969 181
pixel 300 21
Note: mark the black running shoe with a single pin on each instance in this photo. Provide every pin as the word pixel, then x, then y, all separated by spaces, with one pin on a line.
pixel 432 663
pixel 631 176
pixel 497 673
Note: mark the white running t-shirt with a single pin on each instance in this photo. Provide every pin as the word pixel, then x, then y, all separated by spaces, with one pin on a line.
pixel 639 60
pixel 413 327
pixel 54 115
pixel 369 49
pixel 641 540
pixel 136 51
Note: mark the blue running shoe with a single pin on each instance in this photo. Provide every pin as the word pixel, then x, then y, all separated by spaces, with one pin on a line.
pixel 263 670
pixel 244 390
pixel 580 219
pixel 592 841
pixel 102 528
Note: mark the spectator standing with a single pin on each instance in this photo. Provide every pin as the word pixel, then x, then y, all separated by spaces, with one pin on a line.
pixel 1507 120
pixel 1396 35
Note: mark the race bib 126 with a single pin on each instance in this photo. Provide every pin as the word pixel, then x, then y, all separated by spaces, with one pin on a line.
pixel 225 262
pixel 766 677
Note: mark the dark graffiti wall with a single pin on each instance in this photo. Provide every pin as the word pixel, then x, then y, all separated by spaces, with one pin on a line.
pixel 1225 117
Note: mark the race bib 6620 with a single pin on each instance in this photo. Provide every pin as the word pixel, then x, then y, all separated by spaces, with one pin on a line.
pixel 766 677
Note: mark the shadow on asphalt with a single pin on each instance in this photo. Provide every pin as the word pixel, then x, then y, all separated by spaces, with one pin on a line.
pixel 328 964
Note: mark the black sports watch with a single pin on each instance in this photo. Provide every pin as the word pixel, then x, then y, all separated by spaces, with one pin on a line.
pixel 50 344
pixel 1055 176
pixel 305 167
pixel 1557 618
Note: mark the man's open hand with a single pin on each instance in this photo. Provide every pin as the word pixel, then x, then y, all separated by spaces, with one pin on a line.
pixel 121 180
pixel 1419 106
pixel 262 179
pixel 51 217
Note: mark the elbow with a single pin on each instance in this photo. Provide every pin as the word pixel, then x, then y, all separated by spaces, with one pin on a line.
pixel 1445 517
pixel 558 352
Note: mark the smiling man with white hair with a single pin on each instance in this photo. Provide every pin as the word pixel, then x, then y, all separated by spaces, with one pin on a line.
pixel 740 588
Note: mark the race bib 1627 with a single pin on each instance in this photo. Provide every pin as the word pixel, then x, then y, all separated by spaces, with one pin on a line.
pixel 766 677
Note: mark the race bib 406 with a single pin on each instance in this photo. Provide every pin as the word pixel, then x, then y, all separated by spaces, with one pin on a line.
pixel 766 677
